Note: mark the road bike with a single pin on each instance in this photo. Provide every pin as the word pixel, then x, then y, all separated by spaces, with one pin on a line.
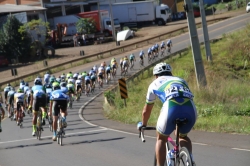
pixel 60 130
pixel 114 73
pixel 169 50
pixel 141 63
pixel 125 70
pixel 70 101
pixel 162 51
pixel 181 155
pixel 11 111
pixel 88 90
pixel 39 127
pixel 108 79
pixel 132 64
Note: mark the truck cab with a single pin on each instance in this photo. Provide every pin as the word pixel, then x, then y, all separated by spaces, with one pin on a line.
pixel 162 14
pixel 108 27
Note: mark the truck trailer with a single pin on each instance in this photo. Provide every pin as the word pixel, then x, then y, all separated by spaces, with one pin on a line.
pixel 139 12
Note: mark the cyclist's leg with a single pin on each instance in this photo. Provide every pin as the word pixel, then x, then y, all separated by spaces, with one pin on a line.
pixel 35 112
pixel 55 112
pixel 43 108
pixel 160 148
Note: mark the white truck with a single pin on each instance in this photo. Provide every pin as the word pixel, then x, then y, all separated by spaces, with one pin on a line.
pixel 139 12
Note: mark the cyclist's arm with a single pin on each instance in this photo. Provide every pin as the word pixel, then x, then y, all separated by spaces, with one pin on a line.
pixel 146 113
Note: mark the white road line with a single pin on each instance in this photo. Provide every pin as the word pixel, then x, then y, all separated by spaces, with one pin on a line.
pixel 6 142
pixel 247 150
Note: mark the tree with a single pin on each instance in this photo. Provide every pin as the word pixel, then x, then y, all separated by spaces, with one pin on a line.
pixel 86 25
pixel 13 43
pixel 37 29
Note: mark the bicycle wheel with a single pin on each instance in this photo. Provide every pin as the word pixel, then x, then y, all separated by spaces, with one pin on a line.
pixel 184 158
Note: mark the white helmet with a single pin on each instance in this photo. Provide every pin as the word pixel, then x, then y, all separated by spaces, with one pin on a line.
pixel 161 67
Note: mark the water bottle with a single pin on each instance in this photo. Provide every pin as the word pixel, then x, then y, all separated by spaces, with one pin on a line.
pixel 139 124
pixel 170 157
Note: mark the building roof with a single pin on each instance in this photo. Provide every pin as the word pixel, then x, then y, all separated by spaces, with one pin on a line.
pixel 10 8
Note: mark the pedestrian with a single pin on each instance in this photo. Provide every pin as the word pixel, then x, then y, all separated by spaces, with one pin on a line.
pixel 84 39
pixel 75 40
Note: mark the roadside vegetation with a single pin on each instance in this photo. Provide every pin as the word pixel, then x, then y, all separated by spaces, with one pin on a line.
pixel 223 105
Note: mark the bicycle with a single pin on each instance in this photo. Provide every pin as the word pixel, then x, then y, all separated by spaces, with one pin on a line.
pixel 60 130
pixel 169 50
pixel 70 102
pixel 108 78
pixel 141 63
pixel 125 71
pixel 162 52
pixel 11 111
pixel 39 127
pixel 181 155
pixel 132 64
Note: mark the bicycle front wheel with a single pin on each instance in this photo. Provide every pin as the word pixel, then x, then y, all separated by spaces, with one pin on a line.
pixel 184 158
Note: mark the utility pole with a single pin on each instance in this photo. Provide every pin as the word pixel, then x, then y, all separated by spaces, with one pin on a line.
pixel 112 21
pixel 195 45
pixel 205 32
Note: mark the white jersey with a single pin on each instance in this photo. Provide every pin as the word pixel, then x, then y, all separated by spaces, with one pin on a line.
pixel 101 69
pixel 166 88
pixel 78 82
pixel 72 80
pixel 19 97
pixel 79 76
pixel 46 77
pixel 75 75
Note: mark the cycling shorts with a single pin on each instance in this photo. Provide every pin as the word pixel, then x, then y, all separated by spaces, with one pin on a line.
pixel 113 66
pixel 162 47
pixel 78 87
pixel 59 105
pixel 168 45
pixel 141 57
pixel 75 78
pixel 87 82
pixel 71 90
pixel 10 99
pixel 6 94
pixel 100 75
pixel 18 105
pixel 173 109
pixel 108 71
pixel 39 102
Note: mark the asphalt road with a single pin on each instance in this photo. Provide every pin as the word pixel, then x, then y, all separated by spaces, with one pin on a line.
pixel 90 145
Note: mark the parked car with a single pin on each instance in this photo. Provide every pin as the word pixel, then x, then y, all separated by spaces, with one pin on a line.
pixel 3 61
pixel 248 7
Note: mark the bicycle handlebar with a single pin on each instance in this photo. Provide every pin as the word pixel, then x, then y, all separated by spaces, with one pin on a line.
pixel 141 134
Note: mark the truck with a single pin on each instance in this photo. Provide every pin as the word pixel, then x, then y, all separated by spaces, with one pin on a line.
pixel 139 12
pixel 65 26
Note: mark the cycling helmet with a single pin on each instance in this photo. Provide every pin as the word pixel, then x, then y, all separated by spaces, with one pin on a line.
pixel 37 81
pixel 63 84
pixel 47 72
pixel 161 67
pixel 56 87
pixel 20 90
pixel 8 84
pixel 12 88
pixel 26 84
pixel 58 80
pixel 70 82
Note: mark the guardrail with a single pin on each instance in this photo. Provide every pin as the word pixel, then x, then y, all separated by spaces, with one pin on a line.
pixel 116 50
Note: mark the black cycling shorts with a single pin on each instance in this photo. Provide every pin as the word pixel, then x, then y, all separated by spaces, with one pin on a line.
pixel 87 82
pixel 6 95
pixel 10 99
pixel 78 87
pixel 39 102
pixel 168 45
pixel 100 76
pixel 59 105
pixel 108 71
pixel 141 57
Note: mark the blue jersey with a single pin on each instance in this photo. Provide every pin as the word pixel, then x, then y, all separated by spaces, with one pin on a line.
pixel 108 68
pixel 11 93
pixel 64 90
pixel 58 95
pixel 152 48
pixel 38 91
pixel 132 57
pixel 149 50
pixel 156 46
pixel 141 54
pixel 169 42
pixel 91 72
pixel 87 78
pixel 7 88
pixel 162 44
pixel 25 88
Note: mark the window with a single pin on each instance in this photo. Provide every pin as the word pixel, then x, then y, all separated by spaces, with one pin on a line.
pixel 163 11
pixel 108 22
pixel 33 17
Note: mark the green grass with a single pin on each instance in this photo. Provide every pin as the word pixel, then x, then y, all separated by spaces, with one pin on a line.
pixel 223 105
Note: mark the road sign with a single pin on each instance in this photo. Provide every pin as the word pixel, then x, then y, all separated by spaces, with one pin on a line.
pixel 123 88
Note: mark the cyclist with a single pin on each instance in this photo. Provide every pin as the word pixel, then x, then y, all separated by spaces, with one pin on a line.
pixel 58 80
pixel 177 102
pixel 87 84
pixel 37 101
pixel 125 64
pixel 71 79
pixel 71 90
pixel 169 45
pixel 69 75
pixel 162 47
pixel 156 48
pixel 2 113
pixel 58 104
pixel 153 51
pixel 132 59
pixel 10 100
pixel 108 73
pixel 78 87
pixel 46 77
pixel 149 53
pixel 22 83
pixel 64 88
pixel 75 76
pixel 6 90
pixel 83 78
pixel 95 68
pixel 93 80
pixel 100 76
pixel 121 62
pixel 19 99
pixel 48 90
pixel 113 66
pixel 63 77
pixel 141 54
pixel 26 87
